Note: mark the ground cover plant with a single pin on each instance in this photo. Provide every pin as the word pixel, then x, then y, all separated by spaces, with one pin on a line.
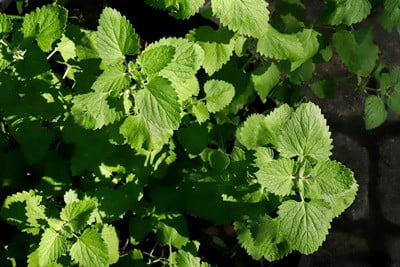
pixel 118 151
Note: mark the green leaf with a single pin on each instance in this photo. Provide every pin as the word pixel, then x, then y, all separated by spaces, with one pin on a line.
pixel 90 250
pixel 200 112
pixel 183 67
pixel 186 259
pixel 173 232
pixel 306 134
pixel 304 224
pixel 390 17
pixel 115 37
pixel 347 11
pixel 181 9
pixel 254 132
pixel 261 238
pixel 218 160
pixel 135 131
pixel 113 79
pixel 263 155
pixel 218 94
pixel 218 46
pixel 264 79
pixel 46 25
pixel 341 201
pixel 330 178
pixel 93 110
pixel 52 245
pixel 109 235
pixel 193 138
pixel 394 102
pixel 155 59
pixel 297 48
pixel 375 112
pixel 6 25
pixel 77 213
pixel 248 17
pixel 276 176
pixel 324 88
pixel 159 104
pixel 70 196
pixel 356 50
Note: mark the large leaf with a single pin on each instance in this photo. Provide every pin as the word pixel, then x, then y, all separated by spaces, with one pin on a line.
pixel 115 37
pixel 158 103
pixel 347 11
pixel 249 17
pixel 46 25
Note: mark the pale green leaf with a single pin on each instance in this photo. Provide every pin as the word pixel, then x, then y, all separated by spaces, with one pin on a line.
pixel 304 224
pixel 263 155
pixel 45 24
pixel 70 196
pixel 264 79
pixel 276 176
pixel 329 177
pixel 200 112
pixel 348 11
pixel 109 235
pixel 135 131
pixel 218 46
pixel 158 103
pixel 297 48
pixel 6 25
pixel 52 245
pixel 78 213
pixel 254 132
pixel 218 94
pixel 113 79
pixel 341 201
pixel 90 250
pixel 375 112
pixel 260 238
pixel 186 259
pixel 156 58
pixel 93 110
pixel 115 37
pixel 306 134
pixel 248 17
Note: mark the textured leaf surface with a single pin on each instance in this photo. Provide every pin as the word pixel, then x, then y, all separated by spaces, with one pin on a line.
pixel 52 245
pixel 306 134
pixel 254 132
pixel 375 112
pixel 113 79
pixel 304 224
pixel 115 37
pixel 109 235
pixel 261 238
pixel 218 46
pixel 218 94
pixel 297 48
pixel 5 25
pixel 158 103
pixel 200 112
pixel 356 50
pixel 77 213
pixel 277 176
pixel 331 177
pixel 46 25
pixel 264 79
pixel 348 11
pixel 93 110
pixel 155 59
pixel 249 17
pixel 390 17
pixel 90 250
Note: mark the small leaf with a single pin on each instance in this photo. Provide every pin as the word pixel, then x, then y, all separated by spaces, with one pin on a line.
pixel 264 79
pixel 153 60
pixel 324 88
pixel 200 112
pixel 375 112
pixel 394 102
pixel 5 25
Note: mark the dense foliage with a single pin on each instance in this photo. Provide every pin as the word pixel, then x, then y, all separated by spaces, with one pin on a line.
pixel 111 148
